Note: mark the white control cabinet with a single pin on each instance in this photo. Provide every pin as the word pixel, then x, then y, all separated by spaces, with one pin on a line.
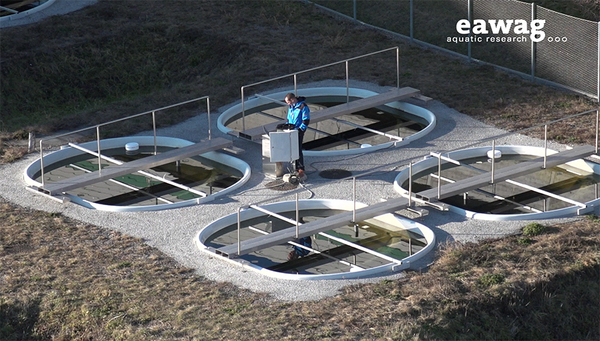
pixel 283 146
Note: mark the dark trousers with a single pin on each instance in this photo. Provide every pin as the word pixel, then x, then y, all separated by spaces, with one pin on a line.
pixel 300 161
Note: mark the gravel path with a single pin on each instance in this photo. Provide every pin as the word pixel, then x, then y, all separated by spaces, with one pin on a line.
pixel 173 231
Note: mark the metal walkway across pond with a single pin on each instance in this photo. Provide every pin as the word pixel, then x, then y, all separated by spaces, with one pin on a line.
pixel 428 196
pixel 205 146
pixel 255 134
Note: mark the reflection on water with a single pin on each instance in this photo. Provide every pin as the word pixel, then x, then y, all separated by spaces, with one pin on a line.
pixel 333 255
pixel 335 135
pixel 507 198
pixel 136 189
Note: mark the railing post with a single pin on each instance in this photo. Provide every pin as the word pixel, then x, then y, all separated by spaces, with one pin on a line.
pixel 545 144
pixel 354 199
pixel 347 83
pixel 439 185
pixel 243 110
pixel 99 152
pixel 410 184
pixel 42 161
pixel 297 218
pixel 208 113
pixel 154 130
pixel 295 84
pixel 397 68
pixel 239 226
pixel 493 158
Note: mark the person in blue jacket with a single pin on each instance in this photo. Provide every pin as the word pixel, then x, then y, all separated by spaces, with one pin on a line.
pixel 299 116
pixel 298 252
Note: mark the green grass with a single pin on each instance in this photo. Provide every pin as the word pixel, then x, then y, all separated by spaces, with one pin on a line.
pixel 533 229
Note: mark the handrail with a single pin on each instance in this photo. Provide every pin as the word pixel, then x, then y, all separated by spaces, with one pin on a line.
pixel 295 74
pixel 97 128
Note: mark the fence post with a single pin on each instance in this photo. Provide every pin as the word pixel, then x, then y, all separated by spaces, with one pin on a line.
pixel 354 9
pixel 533 43
pixel 597 127
pixel 470 18
pixel 412 35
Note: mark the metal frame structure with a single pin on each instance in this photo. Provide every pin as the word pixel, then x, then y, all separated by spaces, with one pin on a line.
pixel 353 125
pixel 393 95
pixel 493 178
pixel 97 129
pixel 295 77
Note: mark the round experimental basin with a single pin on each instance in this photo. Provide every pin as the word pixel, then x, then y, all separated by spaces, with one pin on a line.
pixel 43 5
pixel 170 142
pixel 505 150
pixel 341 92
pixel 316 204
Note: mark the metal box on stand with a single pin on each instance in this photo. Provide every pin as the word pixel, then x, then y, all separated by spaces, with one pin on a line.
pixel 279 150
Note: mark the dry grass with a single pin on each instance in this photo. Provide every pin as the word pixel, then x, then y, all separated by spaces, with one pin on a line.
pixel 64 280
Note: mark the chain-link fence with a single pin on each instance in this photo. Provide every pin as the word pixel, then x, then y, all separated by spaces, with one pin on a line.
pixel 517 36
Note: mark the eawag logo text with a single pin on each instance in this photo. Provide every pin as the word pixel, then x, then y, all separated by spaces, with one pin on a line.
pixel 519 28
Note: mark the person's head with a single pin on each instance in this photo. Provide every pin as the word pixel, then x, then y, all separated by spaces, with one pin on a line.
pixel 291 99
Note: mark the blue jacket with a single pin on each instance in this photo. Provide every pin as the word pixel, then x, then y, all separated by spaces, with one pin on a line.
pixel 305 241
pixel 299 115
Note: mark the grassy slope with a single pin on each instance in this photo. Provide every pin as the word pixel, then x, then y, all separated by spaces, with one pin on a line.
pixel 120 58
pixel 73 281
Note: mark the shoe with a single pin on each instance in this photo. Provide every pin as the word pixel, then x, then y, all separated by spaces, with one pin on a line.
pixel 292 255
pixel 302 175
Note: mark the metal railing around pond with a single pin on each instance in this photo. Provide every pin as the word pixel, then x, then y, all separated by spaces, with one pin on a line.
pixel 98 126
pixel 295 77
pixel 440 157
